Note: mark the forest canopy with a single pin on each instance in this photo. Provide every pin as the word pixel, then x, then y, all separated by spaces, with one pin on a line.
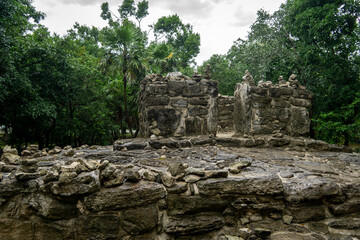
pixel 82 87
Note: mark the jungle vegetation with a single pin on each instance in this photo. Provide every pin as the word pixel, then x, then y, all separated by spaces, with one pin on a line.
pixel 82 87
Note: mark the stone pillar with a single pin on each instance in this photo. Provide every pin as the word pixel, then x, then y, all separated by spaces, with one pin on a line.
pixel 268 108
pixel 177 106
pixel 226 113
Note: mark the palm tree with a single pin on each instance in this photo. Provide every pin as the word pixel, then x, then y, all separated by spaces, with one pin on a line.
pixel 126 54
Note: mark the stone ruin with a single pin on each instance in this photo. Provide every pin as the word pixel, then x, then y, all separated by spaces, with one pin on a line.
pixel 226 113
pixel 176 106
pixel 193 187
pixel 272 108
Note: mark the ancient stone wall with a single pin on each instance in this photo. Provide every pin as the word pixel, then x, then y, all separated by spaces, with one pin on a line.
pixel 226 113
pixel 177 105
pixel 272 108
pixel 167 194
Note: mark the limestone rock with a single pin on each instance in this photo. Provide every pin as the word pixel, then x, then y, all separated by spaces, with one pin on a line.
pixel 84 183
pixel 9 158
pixel 97 226
pixel 176 169
pixel 308 188
pixel 237 166
pixel 139 220
pixel 258 184
pixel 69 152
pixel 125 196
pixel 9 149
pixel 192 178
pixel 304 212
pixel 291 236
pixel 184 205
pixel 51 208
pixel 287 219
pixel 351 206
pixel 52 175
pixel 167 180
pixel 193 224
pixel 132 175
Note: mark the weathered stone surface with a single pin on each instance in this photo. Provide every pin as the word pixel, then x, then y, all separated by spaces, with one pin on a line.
pixel 9 158
pixel 51 208
pixel 125 196
pixel 193 224
pixel 291 236
pixel 158 101
pixel 256 184
pixel 309 188
pixel 176 169
pixel 285 193
pixel 84 183
pixel 10 187
pixel 139 220
pixel 267 108
pixel 307 212
pixel 9 149
pixel 166 107
pixel 179 205
pixel 351 206
pixel 101 227
pixel 167 180
pixel 129 145
pixel 11 229
pixel 59 230
pixel 349 224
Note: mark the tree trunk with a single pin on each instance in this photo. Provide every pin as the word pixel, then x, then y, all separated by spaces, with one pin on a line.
pixel 125 87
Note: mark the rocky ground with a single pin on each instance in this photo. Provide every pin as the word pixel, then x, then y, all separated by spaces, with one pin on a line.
pixel 201 188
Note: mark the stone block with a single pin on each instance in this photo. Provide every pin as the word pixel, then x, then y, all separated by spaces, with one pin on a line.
pixel 51 208
pixel 259 184
pixel 125 196
pixel 179 102
pixel 299 121
pixel 177 87
pixel 302 94
pixel 84 183
pixel 139 220
pixel 167 120
pixel 157 89
pixel 165 105
pixel 193 126
pixel 105 226
pixel 202 101
pixel 300 102
pixel 307 212
pixel 193 224
pixel 183 205
pixel 259 90
pixel 198 111
pixel 157 101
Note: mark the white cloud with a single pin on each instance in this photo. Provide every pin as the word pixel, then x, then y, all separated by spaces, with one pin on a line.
pixel 243 18
pixel 219 22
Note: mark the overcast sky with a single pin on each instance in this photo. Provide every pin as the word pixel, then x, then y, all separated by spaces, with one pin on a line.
pixel 219 22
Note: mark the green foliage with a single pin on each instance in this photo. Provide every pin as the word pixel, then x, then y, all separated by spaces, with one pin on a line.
pixel 222 71
pixel 317 40
pixel 180 37
pixel 127 9
pixel 325 36
pixel 341 126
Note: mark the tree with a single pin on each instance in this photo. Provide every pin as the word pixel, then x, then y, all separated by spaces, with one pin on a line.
pixel 342 125
pixel 180 37
pixel 126 47
pixel 226 74
pixel 325 34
